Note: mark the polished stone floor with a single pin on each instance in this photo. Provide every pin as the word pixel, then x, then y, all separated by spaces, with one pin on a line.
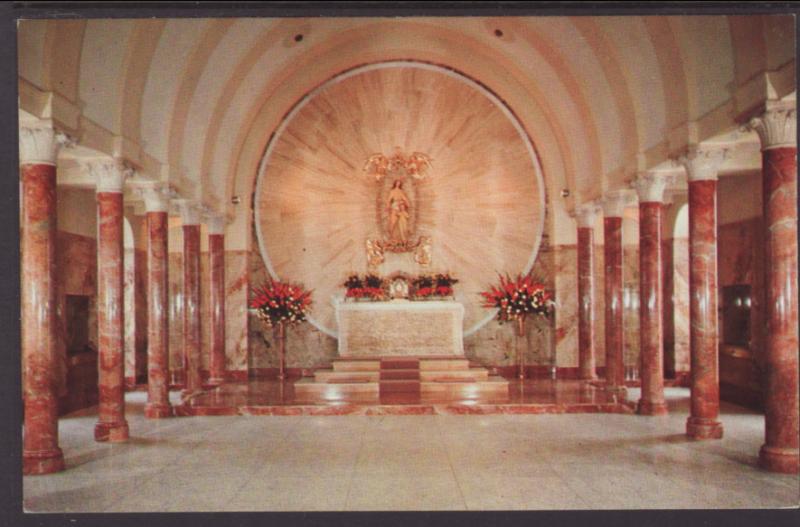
pixel 411 462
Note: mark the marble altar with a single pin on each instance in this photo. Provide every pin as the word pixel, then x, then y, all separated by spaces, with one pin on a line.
pixel 400 328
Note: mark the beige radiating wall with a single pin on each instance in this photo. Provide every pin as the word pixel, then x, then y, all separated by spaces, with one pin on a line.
pixel 482 202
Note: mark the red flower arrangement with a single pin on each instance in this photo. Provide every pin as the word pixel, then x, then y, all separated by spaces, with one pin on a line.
pixel 371 287
pixel 281 302
pixel 440 285
pixel 516 298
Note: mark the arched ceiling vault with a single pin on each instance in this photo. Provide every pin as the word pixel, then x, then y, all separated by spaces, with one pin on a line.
pixel 194 101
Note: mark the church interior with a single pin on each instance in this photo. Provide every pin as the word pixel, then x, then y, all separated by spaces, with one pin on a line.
pixel 411 263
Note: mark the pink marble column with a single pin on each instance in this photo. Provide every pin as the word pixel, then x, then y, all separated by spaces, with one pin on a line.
pixel 701 169
pixel 156 205
pixel 613 207
pixel 586 216
pixel 191 297
pixel 216 265
pixel 777 131
pixel 40 451
pixel 650 188
pixel 111 424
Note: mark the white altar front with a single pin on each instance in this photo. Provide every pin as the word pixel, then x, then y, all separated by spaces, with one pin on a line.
pixel 400 328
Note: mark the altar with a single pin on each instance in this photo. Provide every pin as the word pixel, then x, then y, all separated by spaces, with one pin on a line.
pixel 400 328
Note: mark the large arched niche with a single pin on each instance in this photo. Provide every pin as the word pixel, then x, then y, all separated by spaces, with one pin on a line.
pixel 482 203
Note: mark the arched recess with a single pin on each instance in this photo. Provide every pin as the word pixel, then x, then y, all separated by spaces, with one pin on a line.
pixel 311 173
pixel 381 42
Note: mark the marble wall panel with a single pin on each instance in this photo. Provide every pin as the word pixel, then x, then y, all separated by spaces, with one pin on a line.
pixel 740 256
pixel 76 274
pixel 599 307
pixel 236 317
pixel 680 302
pixel 135 298
pixel 176 317
pixel 630 304
pixel 205 312
pixel 129 299
pixel 566 297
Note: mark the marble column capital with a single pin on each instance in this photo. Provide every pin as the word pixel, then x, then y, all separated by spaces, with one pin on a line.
pixel 614 203
pixel 39 145
pixel 776 127
pixel 109 174
pixel 586 214
pixel 215 222
pixel 702 163
pixel 650 186
pixel 189 210
pixel 156 198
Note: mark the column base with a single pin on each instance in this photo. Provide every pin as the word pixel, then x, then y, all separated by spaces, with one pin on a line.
pixel 157 411
pixel 111 432
pixel 703 428
pixel 783 460
pixel 651 407
pixel 39 462
pixel 215 381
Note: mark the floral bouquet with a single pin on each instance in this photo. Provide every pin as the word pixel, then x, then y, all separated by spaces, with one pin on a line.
pixel 440 285
pixel 444 284
pixel 281 302
pixel 516 298
pixel 371 287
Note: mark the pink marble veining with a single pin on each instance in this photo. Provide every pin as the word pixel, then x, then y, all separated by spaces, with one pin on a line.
pixel 111 425
pixel 566 283
pixel 780 452
pixel 140 312
pixel 667 283
pixel 236 314
pixel 191 307
pixel 615 368
pixel 680 305
pixel 158 405
pixel 630 308
pixel 175 319
pixel 650 316
pixel 76 265
pixel 135 291
pixel 703 422
pixel 216 263
pixel 40 451
pixel 586 351
pixel 129 291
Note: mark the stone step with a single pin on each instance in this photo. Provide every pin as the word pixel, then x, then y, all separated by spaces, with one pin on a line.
pixel 356 365
pixel 330 375
pixel 399 374
pixel 494 386
pixel 399 386
pixel 444 364
pixel 399 364
pixel 478 374
pixel 309 388
pixel 374 364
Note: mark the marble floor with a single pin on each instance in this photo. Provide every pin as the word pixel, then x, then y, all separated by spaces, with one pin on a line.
pixel 411 462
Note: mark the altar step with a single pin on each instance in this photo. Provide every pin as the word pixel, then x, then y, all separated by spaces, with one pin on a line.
pixel 432 377
pixel 425 363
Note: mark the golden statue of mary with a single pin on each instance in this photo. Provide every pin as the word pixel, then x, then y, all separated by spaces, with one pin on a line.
pixel 398 207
